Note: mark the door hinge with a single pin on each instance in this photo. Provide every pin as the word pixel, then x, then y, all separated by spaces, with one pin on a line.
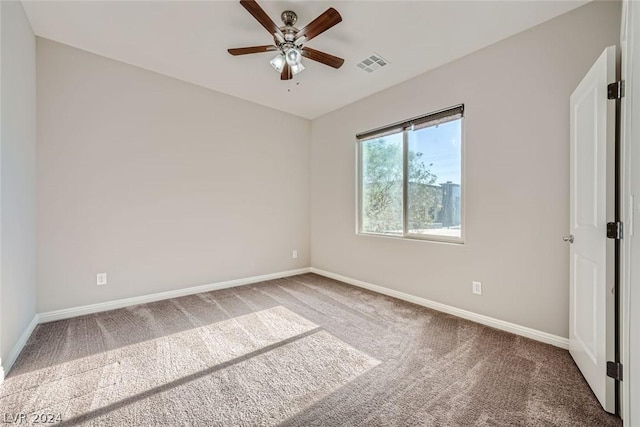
pixel 614 230
pixel 614 370
pixel 615 90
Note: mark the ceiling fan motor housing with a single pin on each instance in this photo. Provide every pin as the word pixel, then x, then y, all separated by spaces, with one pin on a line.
pixel 289 18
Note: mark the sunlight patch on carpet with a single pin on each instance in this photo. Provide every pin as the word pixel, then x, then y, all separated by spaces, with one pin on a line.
pixel 262 390
pixel 81 385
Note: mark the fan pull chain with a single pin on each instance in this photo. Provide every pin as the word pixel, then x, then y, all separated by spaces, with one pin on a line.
pixel 289 88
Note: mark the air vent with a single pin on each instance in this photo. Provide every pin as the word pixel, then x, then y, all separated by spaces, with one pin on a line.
pixel 372 63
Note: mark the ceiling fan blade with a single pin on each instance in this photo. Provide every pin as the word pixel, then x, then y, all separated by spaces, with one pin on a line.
pixel 319 25
pixel 322 57
pixel 286 72
pixel 261 16
pixel 252 49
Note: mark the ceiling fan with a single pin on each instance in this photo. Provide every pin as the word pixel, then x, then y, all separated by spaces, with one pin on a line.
pixel 289 41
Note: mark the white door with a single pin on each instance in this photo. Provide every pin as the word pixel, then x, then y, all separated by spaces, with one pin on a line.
pixel 592 134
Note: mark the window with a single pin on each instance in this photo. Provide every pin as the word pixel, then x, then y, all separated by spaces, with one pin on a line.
pixel 410 178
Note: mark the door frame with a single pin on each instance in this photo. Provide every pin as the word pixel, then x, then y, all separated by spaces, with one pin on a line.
pixel 630 186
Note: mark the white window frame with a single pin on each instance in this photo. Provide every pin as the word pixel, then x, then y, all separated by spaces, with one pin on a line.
pixel 406 127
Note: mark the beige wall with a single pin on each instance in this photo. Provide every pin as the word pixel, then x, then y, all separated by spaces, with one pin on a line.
pixel 516 129
pixel 160 183
pixel 17 177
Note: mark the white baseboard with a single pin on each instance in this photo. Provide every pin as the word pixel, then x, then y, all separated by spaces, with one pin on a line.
pixel 67 313
pixel 479 318
pixel 5 367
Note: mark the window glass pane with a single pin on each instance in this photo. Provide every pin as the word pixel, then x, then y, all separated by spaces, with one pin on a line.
pixel 434 178
pixel 382 185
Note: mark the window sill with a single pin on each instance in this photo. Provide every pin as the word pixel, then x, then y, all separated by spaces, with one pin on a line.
pixel 416 238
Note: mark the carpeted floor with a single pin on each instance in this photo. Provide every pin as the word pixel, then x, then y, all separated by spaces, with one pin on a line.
pixel 300 351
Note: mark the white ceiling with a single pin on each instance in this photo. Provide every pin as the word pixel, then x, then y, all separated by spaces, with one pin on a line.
pixel 188 40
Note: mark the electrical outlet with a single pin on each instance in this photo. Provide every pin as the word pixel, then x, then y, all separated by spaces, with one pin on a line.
pixel 476 288
pixel 101 279
pixel 294 255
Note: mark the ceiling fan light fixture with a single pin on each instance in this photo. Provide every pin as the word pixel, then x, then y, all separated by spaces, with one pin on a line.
pixel 278 62
pixel 297 68
pixel 293 56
